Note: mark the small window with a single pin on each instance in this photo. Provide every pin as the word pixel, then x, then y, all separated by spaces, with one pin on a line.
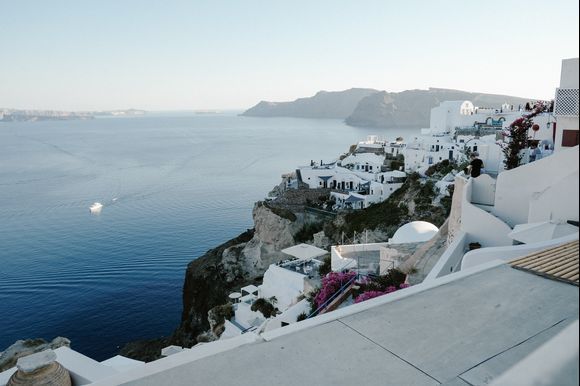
pixel 570 138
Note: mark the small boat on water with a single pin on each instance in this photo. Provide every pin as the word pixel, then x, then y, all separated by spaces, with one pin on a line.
pixel 96 207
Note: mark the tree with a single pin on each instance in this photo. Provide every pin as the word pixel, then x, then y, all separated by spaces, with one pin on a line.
pixel 517 133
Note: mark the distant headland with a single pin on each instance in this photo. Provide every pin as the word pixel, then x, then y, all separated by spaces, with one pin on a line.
pixel 14 115
pixel 364 107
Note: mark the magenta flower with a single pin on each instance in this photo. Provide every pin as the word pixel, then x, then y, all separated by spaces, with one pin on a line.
pixel 368 295
pixel 331 283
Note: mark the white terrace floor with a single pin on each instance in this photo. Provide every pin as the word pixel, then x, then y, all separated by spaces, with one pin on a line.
pixel 466 331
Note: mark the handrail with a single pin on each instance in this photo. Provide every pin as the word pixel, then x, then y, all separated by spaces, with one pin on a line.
pixel 334 296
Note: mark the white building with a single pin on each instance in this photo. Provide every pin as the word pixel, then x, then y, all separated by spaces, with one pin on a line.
pixel 458 127
pixel 361 178
pixel 566 106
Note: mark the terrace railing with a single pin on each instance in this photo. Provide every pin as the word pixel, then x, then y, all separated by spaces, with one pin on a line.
pixel 334 296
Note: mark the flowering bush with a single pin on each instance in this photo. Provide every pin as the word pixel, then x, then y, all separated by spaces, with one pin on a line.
pixel 368 295
pixel 517 133
pixel 331 283
pixel 373 294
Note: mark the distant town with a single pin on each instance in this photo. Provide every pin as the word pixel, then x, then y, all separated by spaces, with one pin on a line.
pixel 14 115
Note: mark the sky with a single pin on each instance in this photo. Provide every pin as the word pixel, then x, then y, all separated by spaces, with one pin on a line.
pixel 218 54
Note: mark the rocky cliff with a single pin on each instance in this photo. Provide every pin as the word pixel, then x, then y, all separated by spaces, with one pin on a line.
pixel 240 261
pixel 381 109
pixel 412 108
pixel 22 348
pixel 279 224
pixel 335 104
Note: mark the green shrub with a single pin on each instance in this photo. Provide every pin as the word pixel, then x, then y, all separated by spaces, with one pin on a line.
pixel 301 317
pixel 265 307
pixel 307 232
pixel 225 311
pixel 393 278
pixel 325 267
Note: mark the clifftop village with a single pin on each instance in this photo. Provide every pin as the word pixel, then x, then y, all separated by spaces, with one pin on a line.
pixel 499 276
pixel 375 168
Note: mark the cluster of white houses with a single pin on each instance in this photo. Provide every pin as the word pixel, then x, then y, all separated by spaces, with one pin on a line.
pixel 458 128
pixel 360 178
pixel 367 175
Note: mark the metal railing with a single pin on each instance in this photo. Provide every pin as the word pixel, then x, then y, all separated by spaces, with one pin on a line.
pixel 332 298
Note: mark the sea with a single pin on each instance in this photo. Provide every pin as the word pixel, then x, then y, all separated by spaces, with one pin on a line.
pixel 173 185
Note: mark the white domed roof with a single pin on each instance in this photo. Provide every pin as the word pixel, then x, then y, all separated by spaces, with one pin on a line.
pixel 414 232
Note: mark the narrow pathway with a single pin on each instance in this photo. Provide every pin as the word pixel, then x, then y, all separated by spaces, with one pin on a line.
pixel 424 259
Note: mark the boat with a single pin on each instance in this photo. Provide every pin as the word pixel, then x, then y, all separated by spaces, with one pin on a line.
pixel 96 207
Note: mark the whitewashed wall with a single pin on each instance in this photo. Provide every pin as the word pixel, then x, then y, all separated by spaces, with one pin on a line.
pixel 481 226
pixel 515 188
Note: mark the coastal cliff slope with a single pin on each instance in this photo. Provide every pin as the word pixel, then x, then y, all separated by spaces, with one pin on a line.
pixel 325 104
pixel 240 261
pixel 280 223
pixel 412 108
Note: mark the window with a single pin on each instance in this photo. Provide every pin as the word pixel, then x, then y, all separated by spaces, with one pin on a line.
pixel 570 138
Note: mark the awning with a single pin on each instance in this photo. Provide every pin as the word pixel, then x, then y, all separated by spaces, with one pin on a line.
pixel 541 231
pixel 304 251
pixel 397 174
pixel 325 178
pixel 250 289
pixel 354 199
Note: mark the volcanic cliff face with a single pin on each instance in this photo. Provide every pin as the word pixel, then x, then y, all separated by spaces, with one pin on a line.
pixel 240 261
pixel 412 108
pixel 325 104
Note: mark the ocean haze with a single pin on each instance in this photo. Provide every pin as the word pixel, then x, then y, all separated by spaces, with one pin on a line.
pixel 173 186
pixel 221 54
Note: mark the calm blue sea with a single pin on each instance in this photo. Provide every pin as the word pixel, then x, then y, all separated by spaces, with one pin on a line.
pixel 173 186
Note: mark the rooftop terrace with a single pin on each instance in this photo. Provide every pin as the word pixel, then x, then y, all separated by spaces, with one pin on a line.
pixel 465 329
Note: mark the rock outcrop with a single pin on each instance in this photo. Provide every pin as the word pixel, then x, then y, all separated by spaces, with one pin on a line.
pixel 412 108
pixel 22 348
pixel 325 104
pixel 240 261
pixel 381 109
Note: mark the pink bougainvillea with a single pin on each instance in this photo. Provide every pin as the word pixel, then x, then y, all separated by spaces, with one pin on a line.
pixel 368 295
pixel 373 294
pixel 331 283
pixel 516 135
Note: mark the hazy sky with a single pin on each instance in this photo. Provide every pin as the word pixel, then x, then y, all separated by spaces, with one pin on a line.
pixel 165 55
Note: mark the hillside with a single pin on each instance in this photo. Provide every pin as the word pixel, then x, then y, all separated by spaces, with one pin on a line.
pixel 412 108
pixel 372 108
pixel 335 104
